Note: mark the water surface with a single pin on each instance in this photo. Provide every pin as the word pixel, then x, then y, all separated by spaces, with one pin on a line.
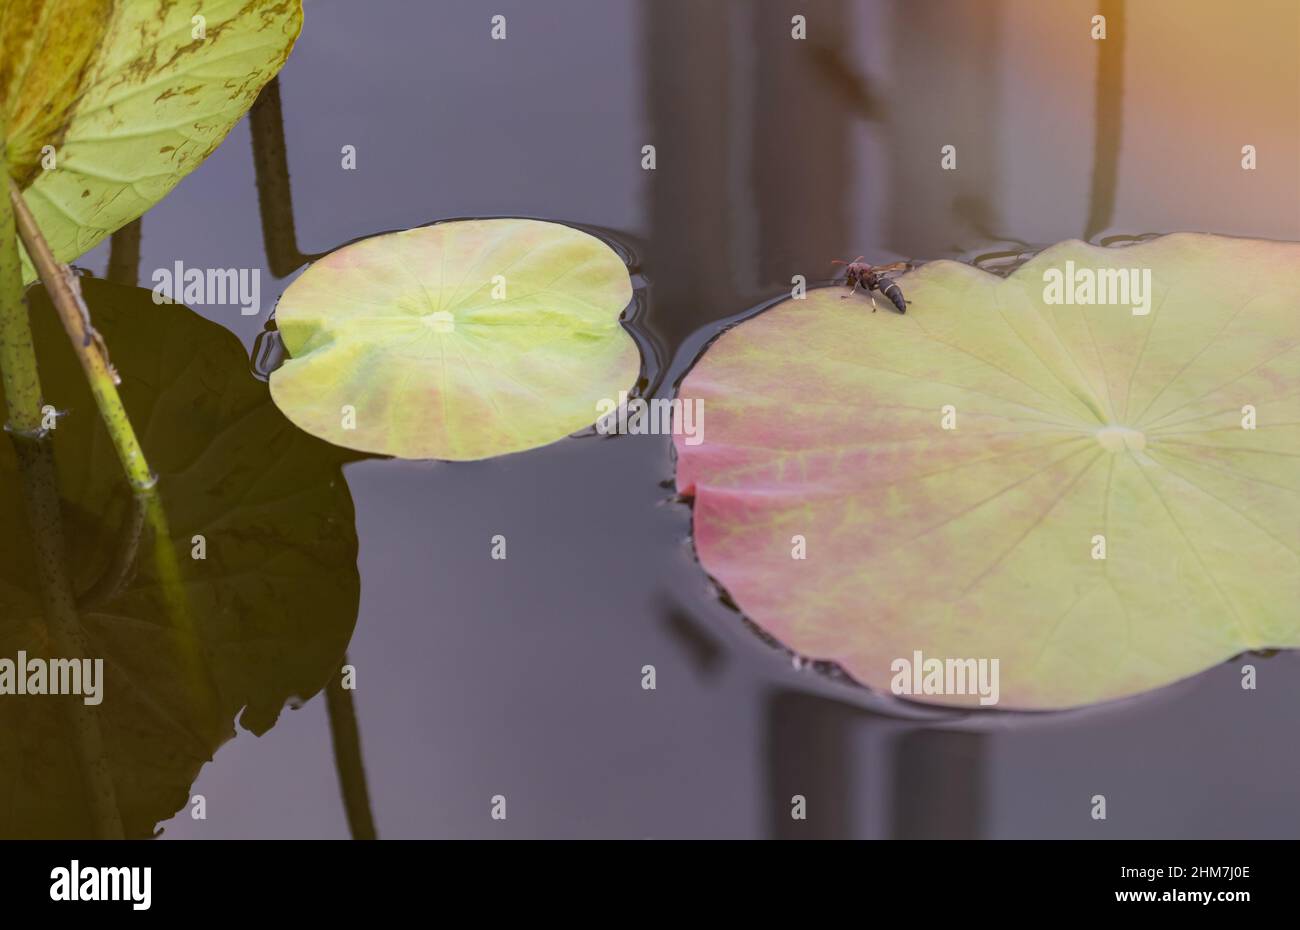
pixel 522 677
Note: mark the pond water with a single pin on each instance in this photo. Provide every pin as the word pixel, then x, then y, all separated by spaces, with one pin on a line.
pixel 522 677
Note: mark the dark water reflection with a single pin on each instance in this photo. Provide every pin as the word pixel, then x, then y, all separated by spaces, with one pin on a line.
pixel 522 677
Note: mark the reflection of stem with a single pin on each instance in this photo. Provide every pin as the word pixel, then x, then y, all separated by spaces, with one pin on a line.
pixel 940 785
pixel 41 495
pixel 114 579
pixel 274 197
pixel 203 688
pixel 65 294
pixel 124 255
pixel 347 758
pixel 800 134
pixel 1109 119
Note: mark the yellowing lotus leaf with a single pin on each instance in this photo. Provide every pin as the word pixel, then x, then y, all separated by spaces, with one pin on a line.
pixel 109 103
pixel 1102 501
pixel 461 340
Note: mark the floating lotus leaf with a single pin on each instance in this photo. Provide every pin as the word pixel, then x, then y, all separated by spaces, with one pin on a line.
pixel 1072 423
pixel 272 601
pixel 110 103
pixel 462 340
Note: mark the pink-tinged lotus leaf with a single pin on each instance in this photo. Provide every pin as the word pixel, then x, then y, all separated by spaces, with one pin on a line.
pixel 462 340
pixel 1071 423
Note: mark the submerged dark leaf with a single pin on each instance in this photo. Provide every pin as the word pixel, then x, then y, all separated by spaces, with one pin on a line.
pixel 271 607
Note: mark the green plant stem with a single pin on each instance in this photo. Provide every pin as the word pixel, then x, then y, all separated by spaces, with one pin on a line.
pixel 65 293
pixel 22 389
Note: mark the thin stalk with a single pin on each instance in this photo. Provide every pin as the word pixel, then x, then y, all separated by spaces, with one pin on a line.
pixel 274 197
pixel 65 293
pixel 44 517
pixel 346 737
pixel 124 254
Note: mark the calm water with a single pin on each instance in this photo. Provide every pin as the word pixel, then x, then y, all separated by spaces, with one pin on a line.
pixel 522 677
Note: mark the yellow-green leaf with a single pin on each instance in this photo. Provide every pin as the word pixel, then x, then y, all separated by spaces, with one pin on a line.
pixel 111 102
pixel 462 340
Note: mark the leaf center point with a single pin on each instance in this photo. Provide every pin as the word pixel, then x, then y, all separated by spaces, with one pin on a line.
pixel 441 321
pixel 1119 438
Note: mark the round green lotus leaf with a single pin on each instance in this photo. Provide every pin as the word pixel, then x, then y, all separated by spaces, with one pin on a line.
pixel 461 340
pixel 1097 488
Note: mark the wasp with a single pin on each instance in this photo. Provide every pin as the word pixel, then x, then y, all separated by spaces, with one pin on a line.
pixel 875 278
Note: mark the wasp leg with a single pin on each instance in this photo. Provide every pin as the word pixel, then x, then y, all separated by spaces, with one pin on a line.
pixel 873 303
pixel 850 293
